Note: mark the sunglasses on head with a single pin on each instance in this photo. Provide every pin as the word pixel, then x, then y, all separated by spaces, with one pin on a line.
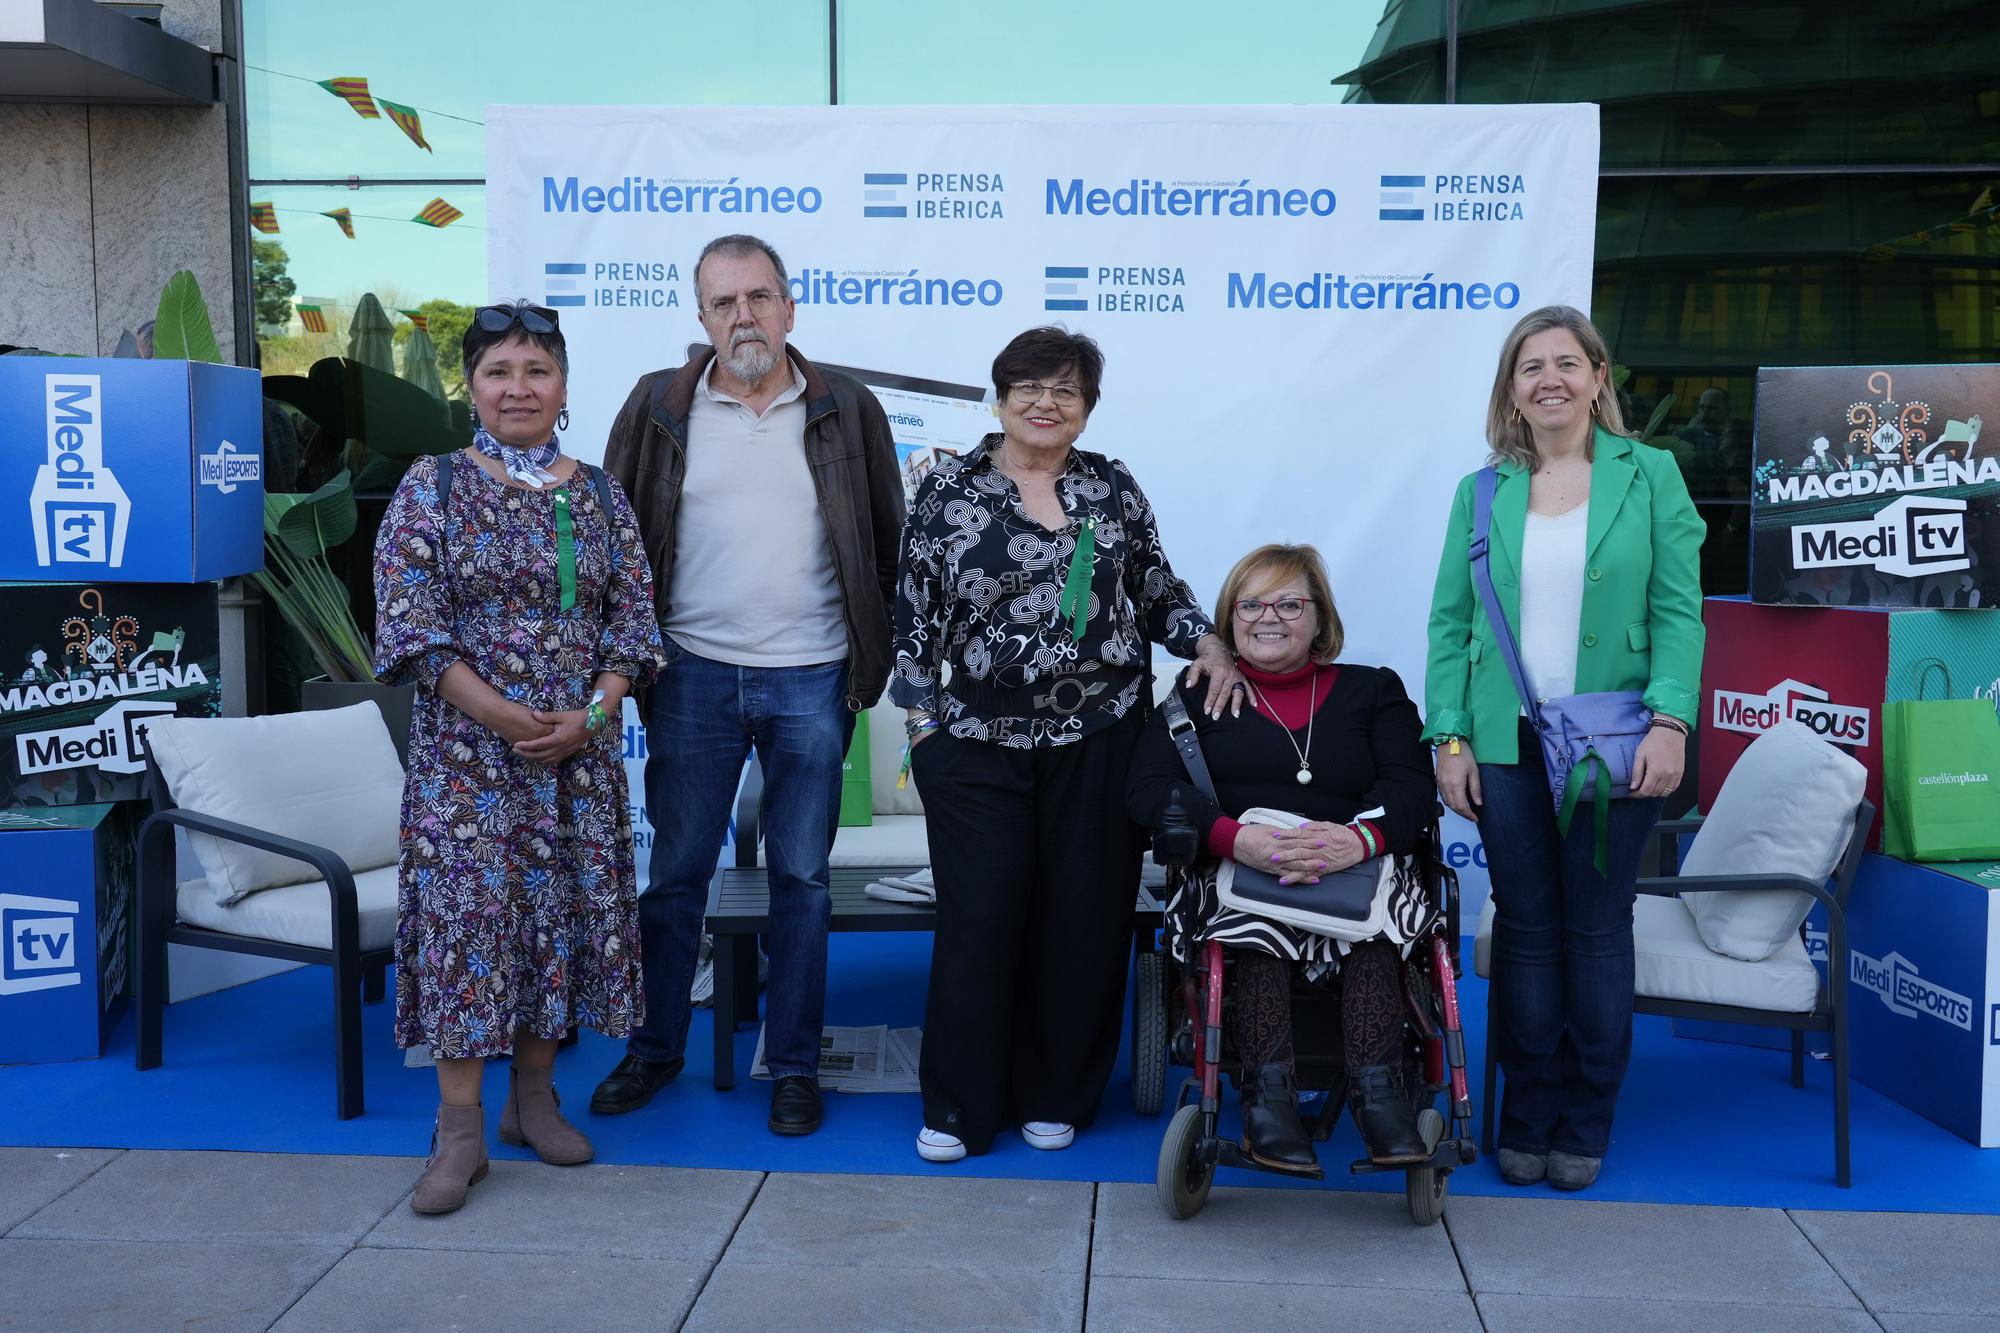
pixel 500 318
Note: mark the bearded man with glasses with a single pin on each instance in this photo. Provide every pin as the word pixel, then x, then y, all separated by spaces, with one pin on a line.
pixel 772 510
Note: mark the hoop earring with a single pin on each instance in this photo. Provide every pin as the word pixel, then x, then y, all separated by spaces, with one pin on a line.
pixel 1517 416
pixel 1593 407
pixel 562 418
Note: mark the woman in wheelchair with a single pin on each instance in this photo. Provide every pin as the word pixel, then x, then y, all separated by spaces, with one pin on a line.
pixel 1337 743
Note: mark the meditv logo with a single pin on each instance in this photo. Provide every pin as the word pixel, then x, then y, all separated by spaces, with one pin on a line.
pixel 1910 537
pixel 37 944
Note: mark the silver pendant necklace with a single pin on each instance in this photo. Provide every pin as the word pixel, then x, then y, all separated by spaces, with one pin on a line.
pixel 1305 774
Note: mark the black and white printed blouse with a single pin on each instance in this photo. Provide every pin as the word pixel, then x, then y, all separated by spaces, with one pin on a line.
pixel 979 588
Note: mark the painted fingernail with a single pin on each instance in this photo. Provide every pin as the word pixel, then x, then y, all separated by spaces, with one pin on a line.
pixel 1274 856
pixel 1319 844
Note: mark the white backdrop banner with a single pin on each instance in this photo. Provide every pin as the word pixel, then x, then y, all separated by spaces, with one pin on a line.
pixel 1300 307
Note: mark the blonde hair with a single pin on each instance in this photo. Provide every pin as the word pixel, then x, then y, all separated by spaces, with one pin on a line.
pixel 1285 563
pixel 1506 433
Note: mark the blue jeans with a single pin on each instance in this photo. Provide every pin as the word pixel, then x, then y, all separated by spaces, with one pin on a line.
pixel 701 721
pixel 1562 958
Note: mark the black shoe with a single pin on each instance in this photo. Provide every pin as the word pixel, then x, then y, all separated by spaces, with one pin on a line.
pixel 795 1105
pixel 1272 1134
pixel 632 1084
pixel 1388 1122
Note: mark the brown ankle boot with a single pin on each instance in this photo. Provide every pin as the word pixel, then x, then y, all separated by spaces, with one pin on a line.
pixel 534 1117
pixel 458 1160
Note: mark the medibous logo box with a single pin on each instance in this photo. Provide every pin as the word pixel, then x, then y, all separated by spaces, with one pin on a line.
pixel 128 471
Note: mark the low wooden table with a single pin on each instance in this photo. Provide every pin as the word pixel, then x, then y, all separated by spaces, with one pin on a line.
pixel 739 910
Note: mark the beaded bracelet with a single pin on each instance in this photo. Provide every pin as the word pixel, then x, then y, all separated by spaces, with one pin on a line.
pixel 1670 723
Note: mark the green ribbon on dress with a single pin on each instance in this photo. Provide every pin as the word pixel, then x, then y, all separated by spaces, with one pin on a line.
pixel 1601 806
pixel 1075 602
pixel 565 550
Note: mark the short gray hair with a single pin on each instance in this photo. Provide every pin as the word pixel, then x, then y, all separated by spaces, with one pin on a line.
pixel 737 245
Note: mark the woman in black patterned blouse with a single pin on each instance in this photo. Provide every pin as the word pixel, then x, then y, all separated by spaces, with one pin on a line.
pixel 1029 567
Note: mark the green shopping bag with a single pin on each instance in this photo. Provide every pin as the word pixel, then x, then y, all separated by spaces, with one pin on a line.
pixel 1941 779
pixel 857 790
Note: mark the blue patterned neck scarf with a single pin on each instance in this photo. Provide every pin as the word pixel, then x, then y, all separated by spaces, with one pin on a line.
pixel 530 467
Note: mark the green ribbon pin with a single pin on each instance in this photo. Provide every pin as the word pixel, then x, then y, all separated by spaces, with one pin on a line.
pixel 1075 602
pixel 1600 802
pixel 565 550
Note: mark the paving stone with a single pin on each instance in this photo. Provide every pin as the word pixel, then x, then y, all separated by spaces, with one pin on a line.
pixel 1640 1251
pixel 1587 1314
pixel 760 1297
pixel 97 1286
pixel 1148 1305
pixel 1311 1237
pixel 31 1177
pixel 1914 1263
pixel 440 1291
pixel 917 1222
pixel 226 1196
pixel 628 1212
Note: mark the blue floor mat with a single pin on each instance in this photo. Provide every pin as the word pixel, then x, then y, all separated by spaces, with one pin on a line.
pixel 250 1069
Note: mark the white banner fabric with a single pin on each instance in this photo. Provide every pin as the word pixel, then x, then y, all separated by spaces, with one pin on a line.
pixel 1300 307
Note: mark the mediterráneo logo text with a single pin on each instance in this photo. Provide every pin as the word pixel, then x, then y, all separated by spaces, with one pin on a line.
pixel 822 286
pixel 78 509
pixel 649 194
pixel 1338 291
pixel 1143 198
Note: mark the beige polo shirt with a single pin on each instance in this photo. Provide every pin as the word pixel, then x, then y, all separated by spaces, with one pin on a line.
pixel 753 580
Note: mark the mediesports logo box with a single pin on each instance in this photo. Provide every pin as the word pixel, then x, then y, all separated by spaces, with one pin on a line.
pixel 84 670
pixel 66 892
pixel 127 471
pixel 1872 486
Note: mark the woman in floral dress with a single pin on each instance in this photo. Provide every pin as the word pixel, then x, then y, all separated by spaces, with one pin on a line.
pixel 524 612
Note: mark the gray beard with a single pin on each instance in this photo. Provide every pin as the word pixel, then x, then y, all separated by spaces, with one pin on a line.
pixel 750 360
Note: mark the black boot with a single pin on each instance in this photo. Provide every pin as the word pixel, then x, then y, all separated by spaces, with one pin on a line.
pixel 1271 1130
pixel 1388 1122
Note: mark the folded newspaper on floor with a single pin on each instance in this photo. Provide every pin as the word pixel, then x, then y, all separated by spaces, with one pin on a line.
pixel 871 1059
pixel 915 887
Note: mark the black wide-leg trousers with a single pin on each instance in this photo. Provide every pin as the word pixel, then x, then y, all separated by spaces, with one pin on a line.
pixel 1037 867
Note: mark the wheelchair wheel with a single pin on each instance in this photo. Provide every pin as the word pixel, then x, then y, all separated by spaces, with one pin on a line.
pixel 1426 1185
pixel 1183 1178
pixel 1149 1033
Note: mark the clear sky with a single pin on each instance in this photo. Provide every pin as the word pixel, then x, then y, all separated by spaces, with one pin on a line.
pixel 450 58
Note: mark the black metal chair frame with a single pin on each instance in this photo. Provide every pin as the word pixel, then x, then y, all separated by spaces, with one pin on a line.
pixel 1829 1011
pixel 359 976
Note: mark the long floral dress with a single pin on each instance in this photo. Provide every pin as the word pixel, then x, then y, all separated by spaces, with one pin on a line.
pixel 517 903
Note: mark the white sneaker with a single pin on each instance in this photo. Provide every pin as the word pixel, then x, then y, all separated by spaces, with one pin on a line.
pixel 937 1146
pixel 1048 1135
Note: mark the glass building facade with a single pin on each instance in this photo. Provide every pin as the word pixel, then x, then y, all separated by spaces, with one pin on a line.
pixel 1781 184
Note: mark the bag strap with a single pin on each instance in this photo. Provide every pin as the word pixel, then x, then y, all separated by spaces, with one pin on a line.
pixel 1482 579
pixel 1180 728
pixel 1931 664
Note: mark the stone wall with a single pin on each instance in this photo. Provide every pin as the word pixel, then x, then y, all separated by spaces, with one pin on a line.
pixel 100 205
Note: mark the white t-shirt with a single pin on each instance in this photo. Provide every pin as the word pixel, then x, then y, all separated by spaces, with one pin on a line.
pixel 753 582
pixel 1552 558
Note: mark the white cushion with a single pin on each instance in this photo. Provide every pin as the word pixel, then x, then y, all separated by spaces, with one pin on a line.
pixel 1674 964
pixel 328 777
pixel 1671 963
pixel 1786 808
pixel 299 914
pixel 885 761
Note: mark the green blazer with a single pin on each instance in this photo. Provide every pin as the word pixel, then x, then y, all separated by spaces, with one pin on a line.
pixel 1641 626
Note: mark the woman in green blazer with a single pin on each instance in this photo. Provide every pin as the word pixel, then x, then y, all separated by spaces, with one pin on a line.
pixel 1595 557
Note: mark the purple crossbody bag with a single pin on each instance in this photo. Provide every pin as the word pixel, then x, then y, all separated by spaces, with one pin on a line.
pixel 1588 740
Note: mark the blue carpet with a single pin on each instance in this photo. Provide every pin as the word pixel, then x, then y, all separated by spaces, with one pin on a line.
pixel 250 1070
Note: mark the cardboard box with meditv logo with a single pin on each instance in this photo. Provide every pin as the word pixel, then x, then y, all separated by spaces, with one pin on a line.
pixel 1873 486
pixel 67 886
pixel 128 471
pixel 84 669
pixel 1832 668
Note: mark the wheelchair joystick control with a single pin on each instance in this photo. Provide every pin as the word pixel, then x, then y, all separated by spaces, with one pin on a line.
pixel 1176 842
